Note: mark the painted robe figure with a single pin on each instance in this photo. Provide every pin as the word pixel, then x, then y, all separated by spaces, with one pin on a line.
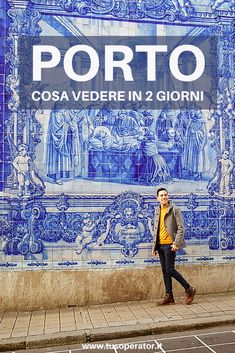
pixel 155 166
pixel 63 154
pixel 195 141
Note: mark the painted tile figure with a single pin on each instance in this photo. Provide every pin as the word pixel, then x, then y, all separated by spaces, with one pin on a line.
pixel 106 116
pixel 215 4
pixel 63 155
pixel 167 119
pixel 195 141
pixel 172 139
pixel 26 171
pixel 127 124
pixel 89 229
pixel 226 167
pixel 172 144
pixel 158 170
pixel 181 6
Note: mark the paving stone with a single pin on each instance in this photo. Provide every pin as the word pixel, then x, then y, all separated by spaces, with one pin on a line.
pixel 218 303
pixel 36 331
pixel 125 314
pixel 37 322
pixel 82 318
pixel 170 312
pixel 97 317
pixel 184 311
pixel 217 313
pixel 210 308
pixel 7 325
pixel 140 313
pixel 67 320
pixel 229 312
pixel 5 334
pixel 111 315
pixel 228 300
pixel 52 321
pixel 155 313
pixel 203 314
pixel 21 326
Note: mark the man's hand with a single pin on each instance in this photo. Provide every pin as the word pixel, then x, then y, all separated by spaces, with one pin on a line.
pixel 174 247
pixel 154 253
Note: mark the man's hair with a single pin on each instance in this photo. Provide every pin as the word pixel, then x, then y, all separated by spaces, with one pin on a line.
pixel 161 189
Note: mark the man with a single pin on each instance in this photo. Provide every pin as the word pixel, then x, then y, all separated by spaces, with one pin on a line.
pixel 168 238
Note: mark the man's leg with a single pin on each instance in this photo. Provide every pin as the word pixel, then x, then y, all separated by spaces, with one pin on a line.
pixel 171 271
pixel 168 298
pixel 163 260
pixel 170 268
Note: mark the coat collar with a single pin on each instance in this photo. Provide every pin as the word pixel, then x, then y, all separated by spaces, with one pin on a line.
pixel 170 206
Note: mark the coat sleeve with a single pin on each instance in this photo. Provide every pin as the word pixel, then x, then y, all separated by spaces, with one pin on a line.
pixel 154 246
pixel 179 236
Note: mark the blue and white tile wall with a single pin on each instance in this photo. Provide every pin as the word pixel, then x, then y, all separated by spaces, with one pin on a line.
pixel 86 200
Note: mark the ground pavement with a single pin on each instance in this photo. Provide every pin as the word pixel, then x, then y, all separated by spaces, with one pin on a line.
pixel 43 328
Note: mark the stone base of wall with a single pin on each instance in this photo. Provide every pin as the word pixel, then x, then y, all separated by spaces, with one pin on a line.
pixel 52 289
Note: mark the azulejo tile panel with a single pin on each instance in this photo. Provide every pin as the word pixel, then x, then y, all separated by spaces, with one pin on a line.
pixel 78 190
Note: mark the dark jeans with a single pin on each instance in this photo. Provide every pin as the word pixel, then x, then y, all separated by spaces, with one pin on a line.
pixel 167 259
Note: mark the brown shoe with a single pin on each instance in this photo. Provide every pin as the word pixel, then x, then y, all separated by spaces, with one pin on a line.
pixel 168 299
pixel 190 293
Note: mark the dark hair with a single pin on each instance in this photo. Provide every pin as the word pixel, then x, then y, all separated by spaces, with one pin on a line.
pixel 161 189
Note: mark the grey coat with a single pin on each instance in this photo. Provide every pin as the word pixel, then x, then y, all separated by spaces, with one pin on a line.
pixel 174 223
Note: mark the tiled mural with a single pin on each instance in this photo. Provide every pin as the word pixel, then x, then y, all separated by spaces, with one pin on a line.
pixel 78 186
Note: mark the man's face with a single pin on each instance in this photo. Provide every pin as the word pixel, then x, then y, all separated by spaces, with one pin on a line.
pixel 163 197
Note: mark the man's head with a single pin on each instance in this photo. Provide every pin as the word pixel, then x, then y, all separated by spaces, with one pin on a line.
pixel 162 196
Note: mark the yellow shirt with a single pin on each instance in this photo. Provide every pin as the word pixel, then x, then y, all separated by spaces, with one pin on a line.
pixel 164 236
